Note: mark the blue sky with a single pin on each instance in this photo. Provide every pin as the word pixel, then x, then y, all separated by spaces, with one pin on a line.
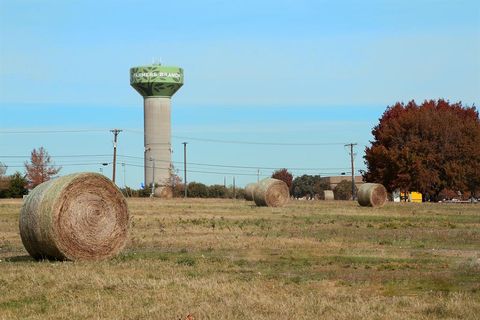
pixel 307 72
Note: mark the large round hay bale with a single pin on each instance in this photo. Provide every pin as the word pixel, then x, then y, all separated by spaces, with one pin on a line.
pixel 249 191
pixel 80 216
pixel 271 193
pixel 372 195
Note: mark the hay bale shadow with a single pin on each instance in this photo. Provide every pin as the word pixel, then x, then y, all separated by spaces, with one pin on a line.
pixel 24 258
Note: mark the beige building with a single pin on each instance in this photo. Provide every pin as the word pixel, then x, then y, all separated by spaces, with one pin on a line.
pixel 333 181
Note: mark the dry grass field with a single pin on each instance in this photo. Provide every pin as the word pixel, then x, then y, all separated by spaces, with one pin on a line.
pixel 226 259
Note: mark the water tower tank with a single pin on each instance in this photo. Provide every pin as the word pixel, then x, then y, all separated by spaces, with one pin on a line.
pixel 157 84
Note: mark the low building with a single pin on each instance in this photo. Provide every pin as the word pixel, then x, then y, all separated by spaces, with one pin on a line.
pixel 334 180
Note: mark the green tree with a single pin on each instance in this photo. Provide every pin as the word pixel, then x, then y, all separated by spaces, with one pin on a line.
pixel 320 185
pixel 217 191
pixel 4 181
pixel 197 190
pixel 426 148
pixel 17 186
pixel 238 194
pixel 343 190
pixel 307 186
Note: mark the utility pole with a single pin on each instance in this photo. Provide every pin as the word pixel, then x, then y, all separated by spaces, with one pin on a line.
pixel 115 134
pixel 258 175
pixel 185 167
pixel 153 180
pixel 172 176
pixel 234 190
pixel 124 178
pixel 124 173
pixel 353 169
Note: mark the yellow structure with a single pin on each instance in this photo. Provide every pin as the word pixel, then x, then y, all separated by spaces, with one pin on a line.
pixel 411 196
pixel 415 197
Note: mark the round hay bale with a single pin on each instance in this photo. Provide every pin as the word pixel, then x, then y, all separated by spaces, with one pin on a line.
pixel 80 216
pixel 249 191
pixel 271 193
pixel 328 195
pixel 372 195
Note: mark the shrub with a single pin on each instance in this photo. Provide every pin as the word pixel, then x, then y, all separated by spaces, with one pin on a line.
pixel 217 191
pixel 197 190
pixel 343 190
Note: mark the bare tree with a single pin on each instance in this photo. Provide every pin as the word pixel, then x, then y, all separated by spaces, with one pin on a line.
pixel 3 169
pixel 39 169
pixel 4 181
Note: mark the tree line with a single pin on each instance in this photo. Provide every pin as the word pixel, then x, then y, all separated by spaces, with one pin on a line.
pixel 305 186
pixel 195 190
pixel 432 148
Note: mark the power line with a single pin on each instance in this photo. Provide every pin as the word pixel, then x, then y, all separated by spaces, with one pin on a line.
pixel 295 144
pixel 199 171
pixel 62 156
pixel 176 137
pixel 217 172
pixel 189 163
pixel 63 165
pixel 51 131
pixel 248 142
pixel 259 167
pixel 243 167
pixel 82 159
pixel 253 174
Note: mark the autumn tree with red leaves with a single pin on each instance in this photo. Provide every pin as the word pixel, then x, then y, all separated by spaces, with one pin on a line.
pixel 39 169
pixel 428 148
pixel 284 175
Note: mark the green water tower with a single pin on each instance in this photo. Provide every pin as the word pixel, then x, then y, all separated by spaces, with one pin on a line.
pixel 157 84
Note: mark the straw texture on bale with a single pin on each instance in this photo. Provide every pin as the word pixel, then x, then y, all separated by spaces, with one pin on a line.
pixel 271 193
pixel 249 191
pixel 76 217
pixel 372 195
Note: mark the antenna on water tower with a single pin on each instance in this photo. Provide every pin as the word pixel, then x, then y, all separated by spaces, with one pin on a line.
pixel 156 61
